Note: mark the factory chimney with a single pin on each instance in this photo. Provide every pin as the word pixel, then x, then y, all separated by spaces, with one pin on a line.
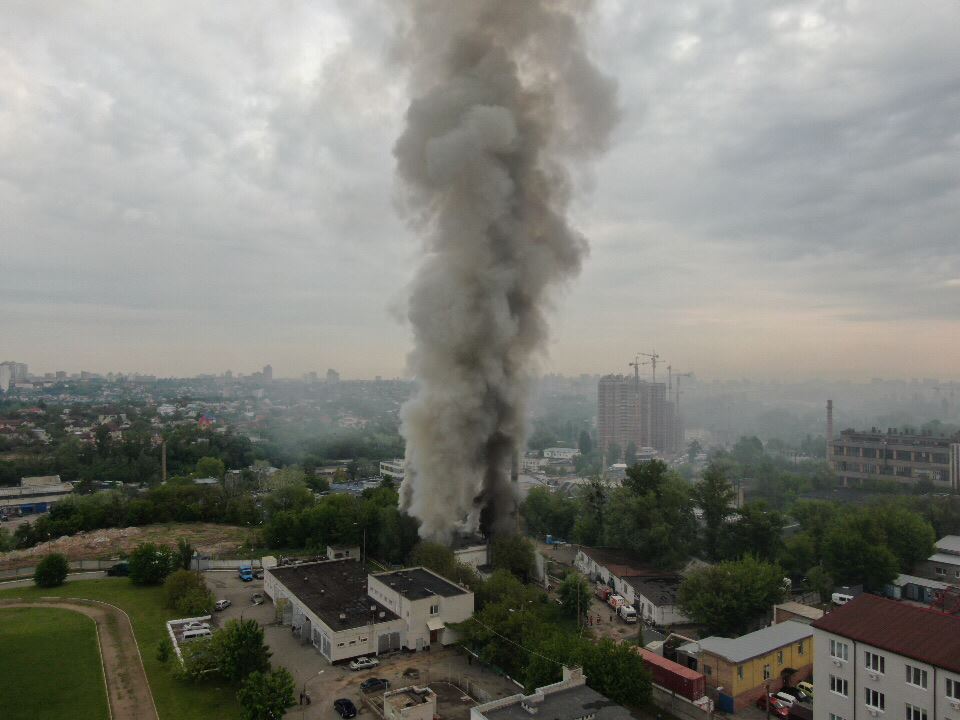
pixel 829 429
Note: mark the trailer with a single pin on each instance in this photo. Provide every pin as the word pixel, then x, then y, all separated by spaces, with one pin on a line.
pixel 602 592
pixel 673 676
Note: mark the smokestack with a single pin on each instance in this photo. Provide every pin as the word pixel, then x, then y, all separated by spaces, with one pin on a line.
pixel 829 429
pixel 505 99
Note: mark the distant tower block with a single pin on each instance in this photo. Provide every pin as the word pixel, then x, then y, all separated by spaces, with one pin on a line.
pixel 829 429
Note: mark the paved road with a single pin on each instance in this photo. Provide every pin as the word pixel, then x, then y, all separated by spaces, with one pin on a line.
pixel 127 687
pixel 28 582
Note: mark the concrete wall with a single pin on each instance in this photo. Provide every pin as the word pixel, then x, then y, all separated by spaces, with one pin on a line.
pixel 416 613
pixel 678 706
pixel 752 685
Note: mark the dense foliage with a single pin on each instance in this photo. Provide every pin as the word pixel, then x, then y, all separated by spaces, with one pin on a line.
pixel 150 564
pixel 266 695
pixel 51 571
pixel 187 593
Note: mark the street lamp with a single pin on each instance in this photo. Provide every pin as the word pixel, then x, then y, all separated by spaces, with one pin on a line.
pixel 304 695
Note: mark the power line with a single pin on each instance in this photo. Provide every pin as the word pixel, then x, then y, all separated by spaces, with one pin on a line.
pixel 514 642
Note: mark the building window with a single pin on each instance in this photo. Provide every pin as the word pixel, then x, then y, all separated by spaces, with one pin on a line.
pixel 707 670
pixel 874 699
pixel 915 713
pixel 740 672
pixel 779 657
pixel 363 639
pixel 839 650
pixel 916 676
pixel 874 662
pixel 836 717
pixel 435 609
pixel 940 571
pixel 767 674
pixel 339 644
pixel 953 689
pixel 839 686
pixel 800 648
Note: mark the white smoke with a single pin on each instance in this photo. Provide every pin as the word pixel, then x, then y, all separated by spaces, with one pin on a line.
pixel 505 99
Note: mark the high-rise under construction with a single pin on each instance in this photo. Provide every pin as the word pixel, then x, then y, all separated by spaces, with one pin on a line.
pixel 630 410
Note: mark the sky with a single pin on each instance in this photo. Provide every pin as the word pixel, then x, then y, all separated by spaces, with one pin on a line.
pixel 195 187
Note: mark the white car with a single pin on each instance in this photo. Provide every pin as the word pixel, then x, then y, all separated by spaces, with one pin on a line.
pixel 222 605
pixel 364 663
pixel 194 625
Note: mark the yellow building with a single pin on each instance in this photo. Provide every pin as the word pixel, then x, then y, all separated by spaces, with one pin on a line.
pixel 742 668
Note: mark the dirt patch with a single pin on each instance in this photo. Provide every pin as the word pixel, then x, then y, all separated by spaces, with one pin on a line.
pixel 127 687
pixel 207 538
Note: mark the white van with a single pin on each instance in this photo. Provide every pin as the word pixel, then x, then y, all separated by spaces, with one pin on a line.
pixel 195 634
pixel 841 598
pixel 785 698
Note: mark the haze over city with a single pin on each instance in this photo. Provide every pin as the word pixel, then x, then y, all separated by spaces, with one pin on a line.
pixel 188 192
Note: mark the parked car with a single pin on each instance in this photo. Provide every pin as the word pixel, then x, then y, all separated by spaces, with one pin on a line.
pixel 345 708
pixel 257 599
pixel 222 605
pixel 776 707
pixel 246 573
pixel 374 684
pixel 364 663
pixel 796 693
pixel 196 625
pixel 806 687
pixel 786 698
pixel 121 569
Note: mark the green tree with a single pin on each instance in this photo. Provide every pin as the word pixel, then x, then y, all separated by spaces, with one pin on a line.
pixel 198 660
pixel 514 553
pixel 51 571
pixel 546 512
pixel 150 564
pixel 617 671
pixel 574 593
pixel 6 540
pixel 184 553
pixel 586 443
pixel 588 527
pixel 292 496
pixel 187 593
pixel 210 467
pixel 851 556
pixel 756 531
pixel 614 453
pixel 729 596
pixel 266 695
pixel 714 494
pixel 819 581
pixel 240 649
pixel 442 561
pixel 630 454
pixel 694 449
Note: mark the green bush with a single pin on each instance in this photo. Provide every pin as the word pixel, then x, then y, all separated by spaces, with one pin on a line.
pixel 150 564
pixel 266 695
pixel 187 593
pixel 51 571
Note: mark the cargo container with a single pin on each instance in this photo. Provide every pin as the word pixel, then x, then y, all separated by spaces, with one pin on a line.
pixel 602 592
pixel 673 676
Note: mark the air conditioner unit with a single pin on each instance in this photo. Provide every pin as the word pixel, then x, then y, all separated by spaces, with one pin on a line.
pixel 837 663
pixel 955 704
pixel 874 676
pixel 874 713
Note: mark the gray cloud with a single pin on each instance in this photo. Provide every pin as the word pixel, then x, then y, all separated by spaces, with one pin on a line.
pixel 184 189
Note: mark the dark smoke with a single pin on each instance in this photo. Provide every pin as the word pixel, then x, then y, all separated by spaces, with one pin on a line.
pixel 505 99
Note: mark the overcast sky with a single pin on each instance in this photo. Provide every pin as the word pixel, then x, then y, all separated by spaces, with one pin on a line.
pixel 191 187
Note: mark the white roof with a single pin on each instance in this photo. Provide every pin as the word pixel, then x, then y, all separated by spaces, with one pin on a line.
pixel 923 582
pixel 757 643
pixel 944 558
pixel 949 543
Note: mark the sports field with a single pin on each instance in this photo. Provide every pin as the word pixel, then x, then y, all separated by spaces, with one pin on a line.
pixel 50 665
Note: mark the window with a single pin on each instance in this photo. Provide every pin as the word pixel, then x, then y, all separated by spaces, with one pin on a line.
pixel 916 676
pixel 339 644
pixel 707 670
pixel 836 717
pixel 915 713
pixel 839 686
pixel 953 689
pixel 740 672
pixel 874 698
pixel 940 571
pixel 780 657
pixel 800 648
pixel 767 674
pixel 874 662
pixel 839 650
pixel 363 639
pixel 435 609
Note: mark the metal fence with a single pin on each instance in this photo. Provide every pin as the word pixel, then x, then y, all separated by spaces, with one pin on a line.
pixel 25 573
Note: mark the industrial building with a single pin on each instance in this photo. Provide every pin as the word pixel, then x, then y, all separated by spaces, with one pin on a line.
pixel 861 457
pixel 344 613
pixel 34 494
pixel 637 412
pixel 882 658
pixel 393 469
pixel 944 564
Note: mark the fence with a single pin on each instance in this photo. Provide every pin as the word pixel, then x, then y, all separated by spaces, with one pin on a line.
pixel 25 573
pixel 679 706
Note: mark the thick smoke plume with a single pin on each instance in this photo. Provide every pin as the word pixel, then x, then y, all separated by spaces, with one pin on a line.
pixel 505 99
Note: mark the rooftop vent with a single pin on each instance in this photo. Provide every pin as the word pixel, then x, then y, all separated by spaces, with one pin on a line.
pixel 382 614
pixel 343 616
pixel 372 608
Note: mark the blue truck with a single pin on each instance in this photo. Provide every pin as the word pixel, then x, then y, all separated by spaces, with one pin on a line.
pixel 246 573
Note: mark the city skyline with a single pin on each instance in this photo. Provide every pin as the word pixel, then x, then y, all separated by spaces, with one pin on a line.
pixel 791 223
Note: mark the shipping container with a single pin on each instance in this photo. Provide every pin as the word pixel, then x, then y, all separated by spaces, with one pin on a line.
pixel 673 676
pixel 602 592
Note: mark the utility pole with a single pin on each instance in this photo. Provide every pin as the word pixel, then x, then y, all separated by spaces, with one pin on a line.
pixel 163 460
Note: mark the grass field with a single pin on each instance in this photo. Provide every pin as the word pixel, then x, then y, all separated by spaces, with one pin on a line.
pixel 50 665
pixel 175 700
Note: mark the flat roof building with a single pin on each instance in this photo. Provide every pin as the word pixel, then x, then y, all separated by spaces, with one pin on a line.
pixel 410 703
pixel 905 458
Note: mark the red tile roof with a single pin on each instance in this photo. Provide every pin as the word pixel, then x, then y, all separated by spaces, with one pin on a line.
pixel 918 633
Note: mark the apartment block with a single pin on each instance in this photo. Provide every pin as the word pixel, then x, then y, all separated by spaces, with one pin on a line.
pixel 857 457
pixel 636 411
pixel 875 657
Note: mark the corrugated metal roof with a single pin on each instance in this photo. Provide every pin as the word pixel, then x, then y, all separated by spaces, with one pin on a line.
pixel 945 558
pixel 949 543
pixel 677 668
pixel 918 633
pixel 902 580
pixel 757 643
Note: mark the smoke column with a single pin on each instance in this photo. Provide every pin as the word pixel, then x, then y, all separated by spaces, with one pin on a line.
pixel 505 100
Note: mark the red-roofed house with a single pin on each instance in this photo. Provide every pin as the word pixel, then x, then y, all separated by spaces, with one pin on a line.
pixel 876 658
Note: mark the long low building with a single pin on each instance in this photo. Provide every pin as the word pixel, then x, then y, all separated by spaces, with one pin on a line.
pixel 345 613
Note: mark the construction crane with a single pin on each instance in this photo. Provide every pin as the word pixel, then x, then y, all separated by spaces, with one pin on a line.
pixel 653 361
pixel 669 380
pixel 678 376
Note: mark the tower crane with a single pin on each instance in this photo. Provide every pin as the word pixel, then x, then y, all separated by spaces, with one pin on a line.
pixel 678 376
pixel 653 361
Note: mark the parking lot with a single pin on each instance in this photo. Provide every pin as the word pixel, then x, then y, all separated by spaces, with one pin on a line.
pixel 325 682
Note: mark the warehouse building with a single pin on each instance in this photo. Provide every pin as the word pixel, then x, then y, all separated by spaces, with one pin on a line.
pixel 895 456
pixel 344 613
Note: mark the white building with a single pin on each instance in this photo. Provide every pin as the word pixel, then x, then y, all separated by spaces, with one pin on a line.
pixel 344 613
pixel 944 564
pixel 392 469
pixel 876 658
pixel 410 703
pixel 560 453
